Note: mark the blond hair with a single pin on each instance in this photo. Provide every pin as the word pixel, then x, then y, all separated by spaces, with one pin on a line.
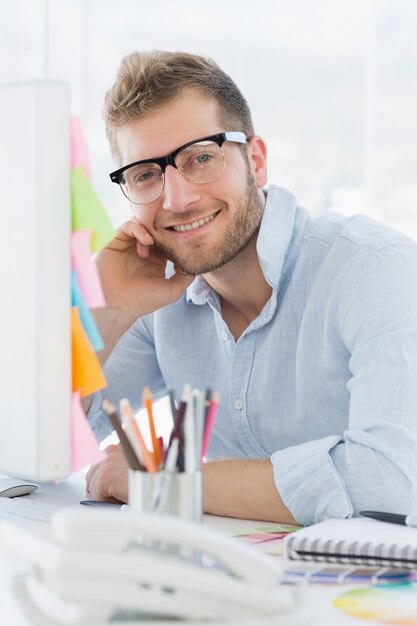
pixel 148 80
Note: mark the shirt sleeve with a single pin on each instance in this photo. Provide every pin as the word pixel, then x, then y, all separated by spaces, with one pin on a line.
pixel 372 464
pixel 131 365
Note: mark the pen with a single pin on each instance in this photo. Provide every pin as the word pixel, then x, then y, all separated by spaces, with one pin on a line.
pixel 207 402
pixel 393 518
pixel 100 503
pixel 172 403
pixel 178 430
pixel 158 503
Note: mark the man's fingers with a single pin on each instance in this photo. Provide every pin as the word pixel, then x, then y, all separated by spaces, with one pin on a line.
pixel 137 231
pixel 103 479
pixel 89 476
pixel 131 232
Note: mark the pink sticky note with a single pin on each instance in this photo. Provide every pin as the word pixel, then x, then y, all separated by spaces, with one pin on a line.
pixel 79 151
pixel 87 273
pixel 85 449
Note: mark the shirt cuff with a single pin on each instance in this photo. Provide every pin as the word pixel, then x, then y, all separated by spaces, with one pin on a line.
pixel 100 427
pixel 308 482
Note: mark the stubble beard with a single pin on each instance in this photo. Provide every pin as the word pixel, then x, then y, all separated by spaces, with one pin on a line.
pixel 247 217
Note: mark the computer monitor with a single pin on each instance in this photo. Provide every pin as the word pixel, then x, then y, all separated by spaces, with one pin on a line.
pixel 35 263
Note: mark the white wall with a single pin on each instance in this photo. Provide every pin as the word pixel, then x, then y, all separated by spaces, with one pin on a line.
pixel 332 83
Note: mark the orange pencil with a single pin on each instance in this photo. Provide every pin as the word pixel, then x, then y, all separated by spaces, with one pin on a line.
pixel 147 400
pixel 147 456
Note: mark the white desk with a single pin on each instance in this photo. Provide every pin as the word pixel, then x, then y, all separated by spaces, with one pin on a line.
pixel 71 491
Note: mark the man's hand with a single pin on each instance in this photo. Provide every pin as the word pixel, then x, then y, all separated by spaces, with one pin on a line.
pixel 242 489
pixel 132 272
pixel 107 481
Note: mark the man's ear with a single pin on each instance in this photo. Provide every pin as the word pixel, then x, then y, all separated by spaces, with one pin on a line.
pixel 257 160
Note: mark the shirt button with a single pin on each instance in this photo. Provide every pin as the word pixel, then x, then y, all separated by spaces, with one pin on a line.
pixel 224 335
pixel 238 405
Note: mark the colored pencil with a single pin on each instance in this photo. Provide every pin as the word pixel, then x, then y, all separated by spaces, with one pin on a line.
pixel 190 456
pixel 147 400
pixel 129 417
pixel 114 420
pixel 211 418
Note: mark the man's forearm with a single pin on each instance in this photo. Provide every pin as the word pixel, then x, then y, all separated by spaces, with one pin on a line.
pixel 244 489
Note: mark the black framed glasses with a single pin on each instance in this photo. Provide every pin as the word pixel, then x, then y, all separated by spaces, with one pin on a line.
pixel 199 161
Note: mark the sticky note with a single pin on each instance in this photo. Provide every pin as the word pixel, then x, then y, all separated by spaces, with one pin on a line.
pixel 87 375
pixel 79 151
pixel 87 273
pixel 86 318
pixel 84 447
pixel 88 211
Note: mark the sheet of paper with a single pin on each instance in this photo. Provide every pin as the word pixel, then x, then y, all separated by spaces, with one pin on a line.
pixel 87 319
pixel 87 273
pixel 84 446
pixel 87 375
pixel 88 210
pixel 79 151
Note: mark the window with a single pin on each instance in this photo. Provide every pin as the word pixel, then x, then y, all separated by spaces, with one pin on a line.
pixel 332 86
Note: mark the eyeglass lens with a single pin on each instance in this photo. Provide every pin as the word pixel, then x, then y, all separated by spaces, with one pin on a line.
pixel 201 162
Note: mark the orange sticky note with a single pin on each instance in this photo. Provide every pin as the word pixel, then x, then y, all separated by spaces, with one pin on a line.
pixel 84 446
pixel 87 375
pixel 79 151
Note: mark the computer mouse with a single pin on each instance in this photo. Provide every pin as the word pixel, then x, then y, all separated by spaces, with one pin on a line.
pixel 12 487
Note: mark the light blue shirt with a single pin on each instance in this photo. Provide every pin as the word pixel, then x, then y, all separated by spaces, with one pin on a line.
pixel 323 382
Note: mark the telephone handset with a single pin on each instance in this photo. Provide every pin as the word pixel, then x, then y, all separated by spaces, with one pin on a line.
pixel 105 563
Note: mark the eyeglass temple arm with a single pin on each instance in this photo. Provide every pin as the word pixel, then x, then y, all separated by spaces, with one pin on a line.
pixel 236 136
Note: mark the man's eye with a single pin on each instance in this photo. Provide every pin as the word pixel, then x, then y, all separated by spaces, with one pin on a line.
pixel 144 177
pixel 199 160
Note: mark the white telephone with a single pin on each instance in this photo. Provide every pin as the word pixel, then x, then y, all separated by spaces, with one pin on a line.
pixel 106 567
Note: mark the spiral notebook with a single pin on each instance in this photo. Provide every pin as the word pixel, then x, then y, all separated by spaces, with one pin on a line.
pixel 357 541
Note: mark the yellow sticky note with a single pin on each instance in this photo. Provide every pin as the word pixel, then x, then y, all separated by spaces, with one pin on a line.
pixel 88 210
pixel 87 375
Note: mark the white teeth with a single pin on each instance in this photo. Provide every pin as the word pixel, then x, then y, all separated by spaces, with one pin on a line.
pixel 196 224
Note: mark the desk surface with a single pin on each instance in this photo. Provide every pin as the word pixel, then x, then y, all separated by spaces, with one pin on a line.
pixel 71 491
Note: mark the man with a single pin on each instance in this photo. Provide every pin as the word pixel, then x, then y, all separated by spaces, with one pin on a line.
pixel 307 327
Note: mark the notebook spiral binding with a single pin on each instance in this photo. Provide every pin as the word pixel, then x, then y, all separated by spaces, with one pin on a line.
pixel 352 552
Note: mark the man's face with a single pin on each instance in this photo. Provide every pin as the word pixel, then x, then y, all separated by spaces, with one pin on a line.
pixel 231 206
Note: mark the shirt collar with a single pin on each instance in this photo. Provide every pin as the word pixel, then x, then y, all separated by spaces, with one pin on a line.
pixel 276 232
pixel 274 237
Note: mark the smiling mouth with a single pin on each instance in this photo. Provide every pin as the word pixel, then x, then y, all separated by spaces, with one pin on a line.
pixel 181 228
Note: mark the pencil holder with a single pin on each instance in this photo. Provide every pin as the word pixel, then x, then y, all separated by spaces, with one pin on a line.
pixel 167 493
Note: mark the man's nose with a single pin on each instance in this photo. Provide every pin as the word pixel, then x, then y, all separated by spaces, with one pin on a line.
pixel 178 193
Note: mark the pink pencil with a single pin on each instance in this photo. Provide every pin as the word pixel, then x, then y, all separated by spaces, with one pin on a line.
pixel 211 418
